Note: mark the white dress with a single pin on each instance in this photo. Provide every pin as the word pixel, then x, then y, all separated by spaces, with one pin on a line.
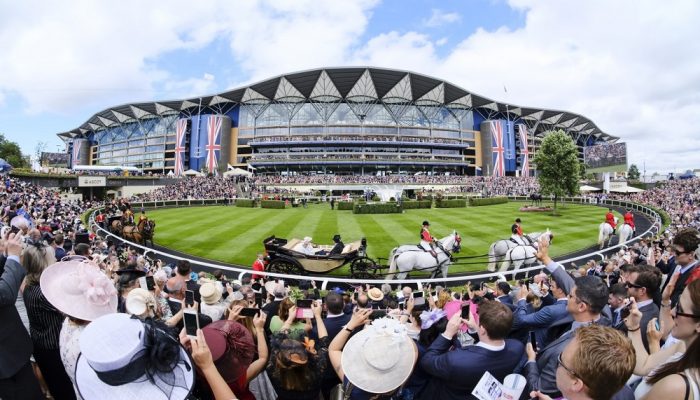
pixel 69 345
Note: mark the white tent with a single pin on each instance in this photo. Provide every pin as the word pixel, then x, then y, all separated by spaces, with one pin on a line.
pixel 237 172
pixel 191 172
pixel 628 189
pixel 586 188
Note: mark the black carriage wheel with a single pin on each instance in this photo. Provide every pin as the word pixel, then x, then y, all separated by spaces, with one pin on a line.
pixel 286 267
pixel 362 268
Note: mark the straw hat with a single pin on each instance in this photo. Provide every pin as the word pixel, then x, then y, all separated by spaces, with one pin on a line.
pixel 123 358
pixel 384 350
pixel 79 289
pixel 210 293
pixel 139 301
pixel 375 294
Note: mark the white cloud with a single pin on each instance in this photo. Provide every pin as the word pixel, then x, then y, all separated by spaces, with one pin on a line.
pixel 440 18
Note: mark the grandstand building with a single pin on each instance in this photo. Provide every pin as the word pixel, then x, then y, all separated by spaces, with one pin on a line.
pixel 332 121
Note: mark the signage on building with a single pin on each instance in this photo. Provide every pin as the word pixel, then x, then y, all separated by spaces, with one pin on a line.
pixel 92 181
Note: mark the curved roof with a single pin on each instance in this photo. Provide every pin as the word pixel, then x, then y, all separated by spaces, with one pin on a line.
pixel 355 85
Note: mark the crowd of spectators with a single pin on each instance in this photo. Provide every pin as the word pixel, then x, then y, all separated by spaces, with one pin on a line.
pixel 107 322
pixel 197 187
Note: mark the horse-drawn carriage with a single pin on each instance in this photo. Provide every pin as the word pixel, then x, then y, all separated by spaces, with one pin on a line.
pixel 283 259
pixel 141 233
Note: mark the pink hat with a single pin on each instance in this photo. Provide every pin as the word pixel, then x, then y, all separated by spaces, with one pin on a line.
pixel 79 289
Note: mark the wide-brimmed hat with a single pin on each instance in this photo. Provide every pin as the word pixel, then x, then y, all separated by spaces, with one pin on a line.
pixel 232 347
pixel 375 294
pixel 384 350
pixel 210 293
pixel 79 289
pixel 125 358
pixel 139 300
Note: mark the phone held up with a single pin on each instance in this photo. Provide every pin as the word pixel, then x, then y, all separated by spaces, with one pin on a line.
pixel 191 319
pixel 189 297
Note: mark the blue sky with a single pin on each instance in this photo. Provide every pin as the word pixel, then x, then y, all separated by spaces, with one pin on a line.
pixel 610 61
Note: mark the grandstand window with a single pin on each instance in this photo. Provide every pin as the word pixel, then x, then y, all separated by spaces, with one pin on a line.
pixel 413 117
pixel 119 145
pixel 134 143
pixel 415 132
pixel 155 140
pixel 379 115
pixel 343 115
pixel 307 115
pixel 119 153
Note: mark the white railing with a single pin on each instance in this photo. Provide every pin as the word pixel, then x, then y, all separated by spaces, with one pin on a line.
pixel 653 230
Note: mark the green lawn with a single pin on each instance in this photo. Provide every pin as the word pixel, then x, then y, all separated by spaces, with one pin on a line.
pixel 234 235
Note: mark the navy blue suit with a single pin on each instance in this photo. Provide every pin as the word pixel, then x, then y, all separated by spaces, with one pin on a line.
pixel 454 374
pixel 540 320
pixel 505 299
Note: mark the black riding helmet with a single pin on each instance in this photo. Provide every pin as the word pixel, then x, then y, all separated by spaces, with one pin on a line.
pixel 426 223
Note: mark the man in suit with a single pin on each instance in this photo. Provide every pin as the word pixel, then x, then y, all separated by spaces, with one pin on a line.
pixel 454 374
pixel 587 296
pixel 684 245
pixel 617 301
pixel 335 321
pixel 595 364
pixel 642 284
pixel 540 320
pixel 503 293
pixel 17 380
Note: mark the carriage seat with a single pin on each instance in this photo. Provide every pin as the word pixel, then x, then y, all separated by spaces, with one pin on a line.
pixel 350 247
pixel 291 244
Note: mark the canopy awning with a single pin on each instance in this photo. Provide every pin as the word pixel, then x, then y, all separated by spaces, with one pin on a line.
pixel 586 188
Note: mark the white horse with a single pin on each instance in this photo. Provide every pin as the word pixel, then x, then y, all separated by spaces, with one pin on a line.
pixel 518 256
pixel 408 257
pixel 499 248
pixel 626 233
pixel 605 233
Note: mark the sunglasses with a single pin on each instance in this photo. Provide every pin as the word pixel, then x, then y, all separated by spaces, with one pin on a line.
pixel 567 369
pixel 680 313
pixel 632 285
pixel 678 252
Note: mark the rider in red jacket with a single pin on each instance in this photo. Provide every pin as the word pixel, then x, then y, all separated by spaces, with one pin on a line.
pixel 426 237
pixel 610 219
pixel 629 219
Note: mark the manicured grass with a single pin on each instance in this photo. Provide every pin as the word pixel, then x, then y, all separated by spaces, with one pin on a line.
pixel 234 235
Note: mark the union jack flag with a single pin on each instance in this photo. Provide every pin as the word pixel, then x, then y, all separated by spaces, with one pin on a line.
pixel 180 130
pixel 213 142
pixel 499 166
pixel 77 144
pixel 524 151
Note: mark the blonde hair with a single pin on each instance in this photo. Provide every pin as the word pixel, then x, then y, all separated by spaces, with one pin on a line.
pixel 35 258
pixel 443 298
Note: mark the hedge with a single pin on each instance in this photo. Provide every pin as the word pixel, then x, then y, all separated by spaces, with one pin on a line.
pixel 413 204
pixel 665 218
pixel 455 203
pixel 277 204
pixel 345 205
pixel 476 201
pixel 377 208
pixel 245 203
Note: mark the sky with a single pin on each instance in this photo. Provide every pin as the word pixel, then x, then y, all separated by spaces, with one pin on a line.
pixel 631 66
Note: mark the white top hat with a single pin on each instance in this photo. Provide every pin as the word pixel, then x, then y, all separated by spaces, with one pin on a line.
pixel 117 353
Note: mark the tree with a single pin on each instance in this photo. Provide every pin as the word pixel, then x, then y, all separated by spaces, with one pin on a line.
pixel 10 152
pixel 582 171
pixel 633 173
pixel 39 150
pixel 558 166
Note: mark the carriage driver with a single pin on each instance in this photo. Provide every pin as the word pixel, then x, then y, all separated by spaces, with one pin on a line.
pixel 610 219
pixel 427 241
pixel 143 216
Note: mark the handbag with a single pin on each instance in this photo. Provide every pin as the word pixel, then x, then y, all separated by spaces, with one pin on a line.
pixel 340 392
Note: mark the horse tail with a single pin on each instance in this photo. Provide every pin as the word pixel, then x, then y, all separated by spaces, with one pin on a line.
pixel 392 263
pixel 492 257
pixel 601 233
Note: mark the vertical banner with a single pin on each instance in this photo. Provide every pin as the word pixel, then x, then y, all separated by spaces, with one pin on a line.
pixel 213 148
pixel 524 150
pixel 509 146
pixel 497 149
pixel 79 152
pixel 196 144
pixel 180 136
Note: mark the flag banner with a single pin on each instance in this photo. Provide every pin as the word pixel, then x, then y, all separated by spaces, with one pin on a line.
pixel 509 146
pixel 180 135
pixel 524 150
pixel 497 149
pixel 213 147
pixel 78 153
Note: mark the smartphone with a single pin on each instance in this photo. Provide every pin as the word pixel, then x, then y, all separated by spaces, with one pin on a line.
pixel 433 293
pixel 658 325
pixel 189 297
pixel 465 311
pixel 191 319
pixel 417 295
pixel 533 340
pixel 258 299
pixel 150 283
pixel 143 283
pixel 249 312
pixel 354 296
pixel 625 312
pixel 304 309
pixel 305 303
